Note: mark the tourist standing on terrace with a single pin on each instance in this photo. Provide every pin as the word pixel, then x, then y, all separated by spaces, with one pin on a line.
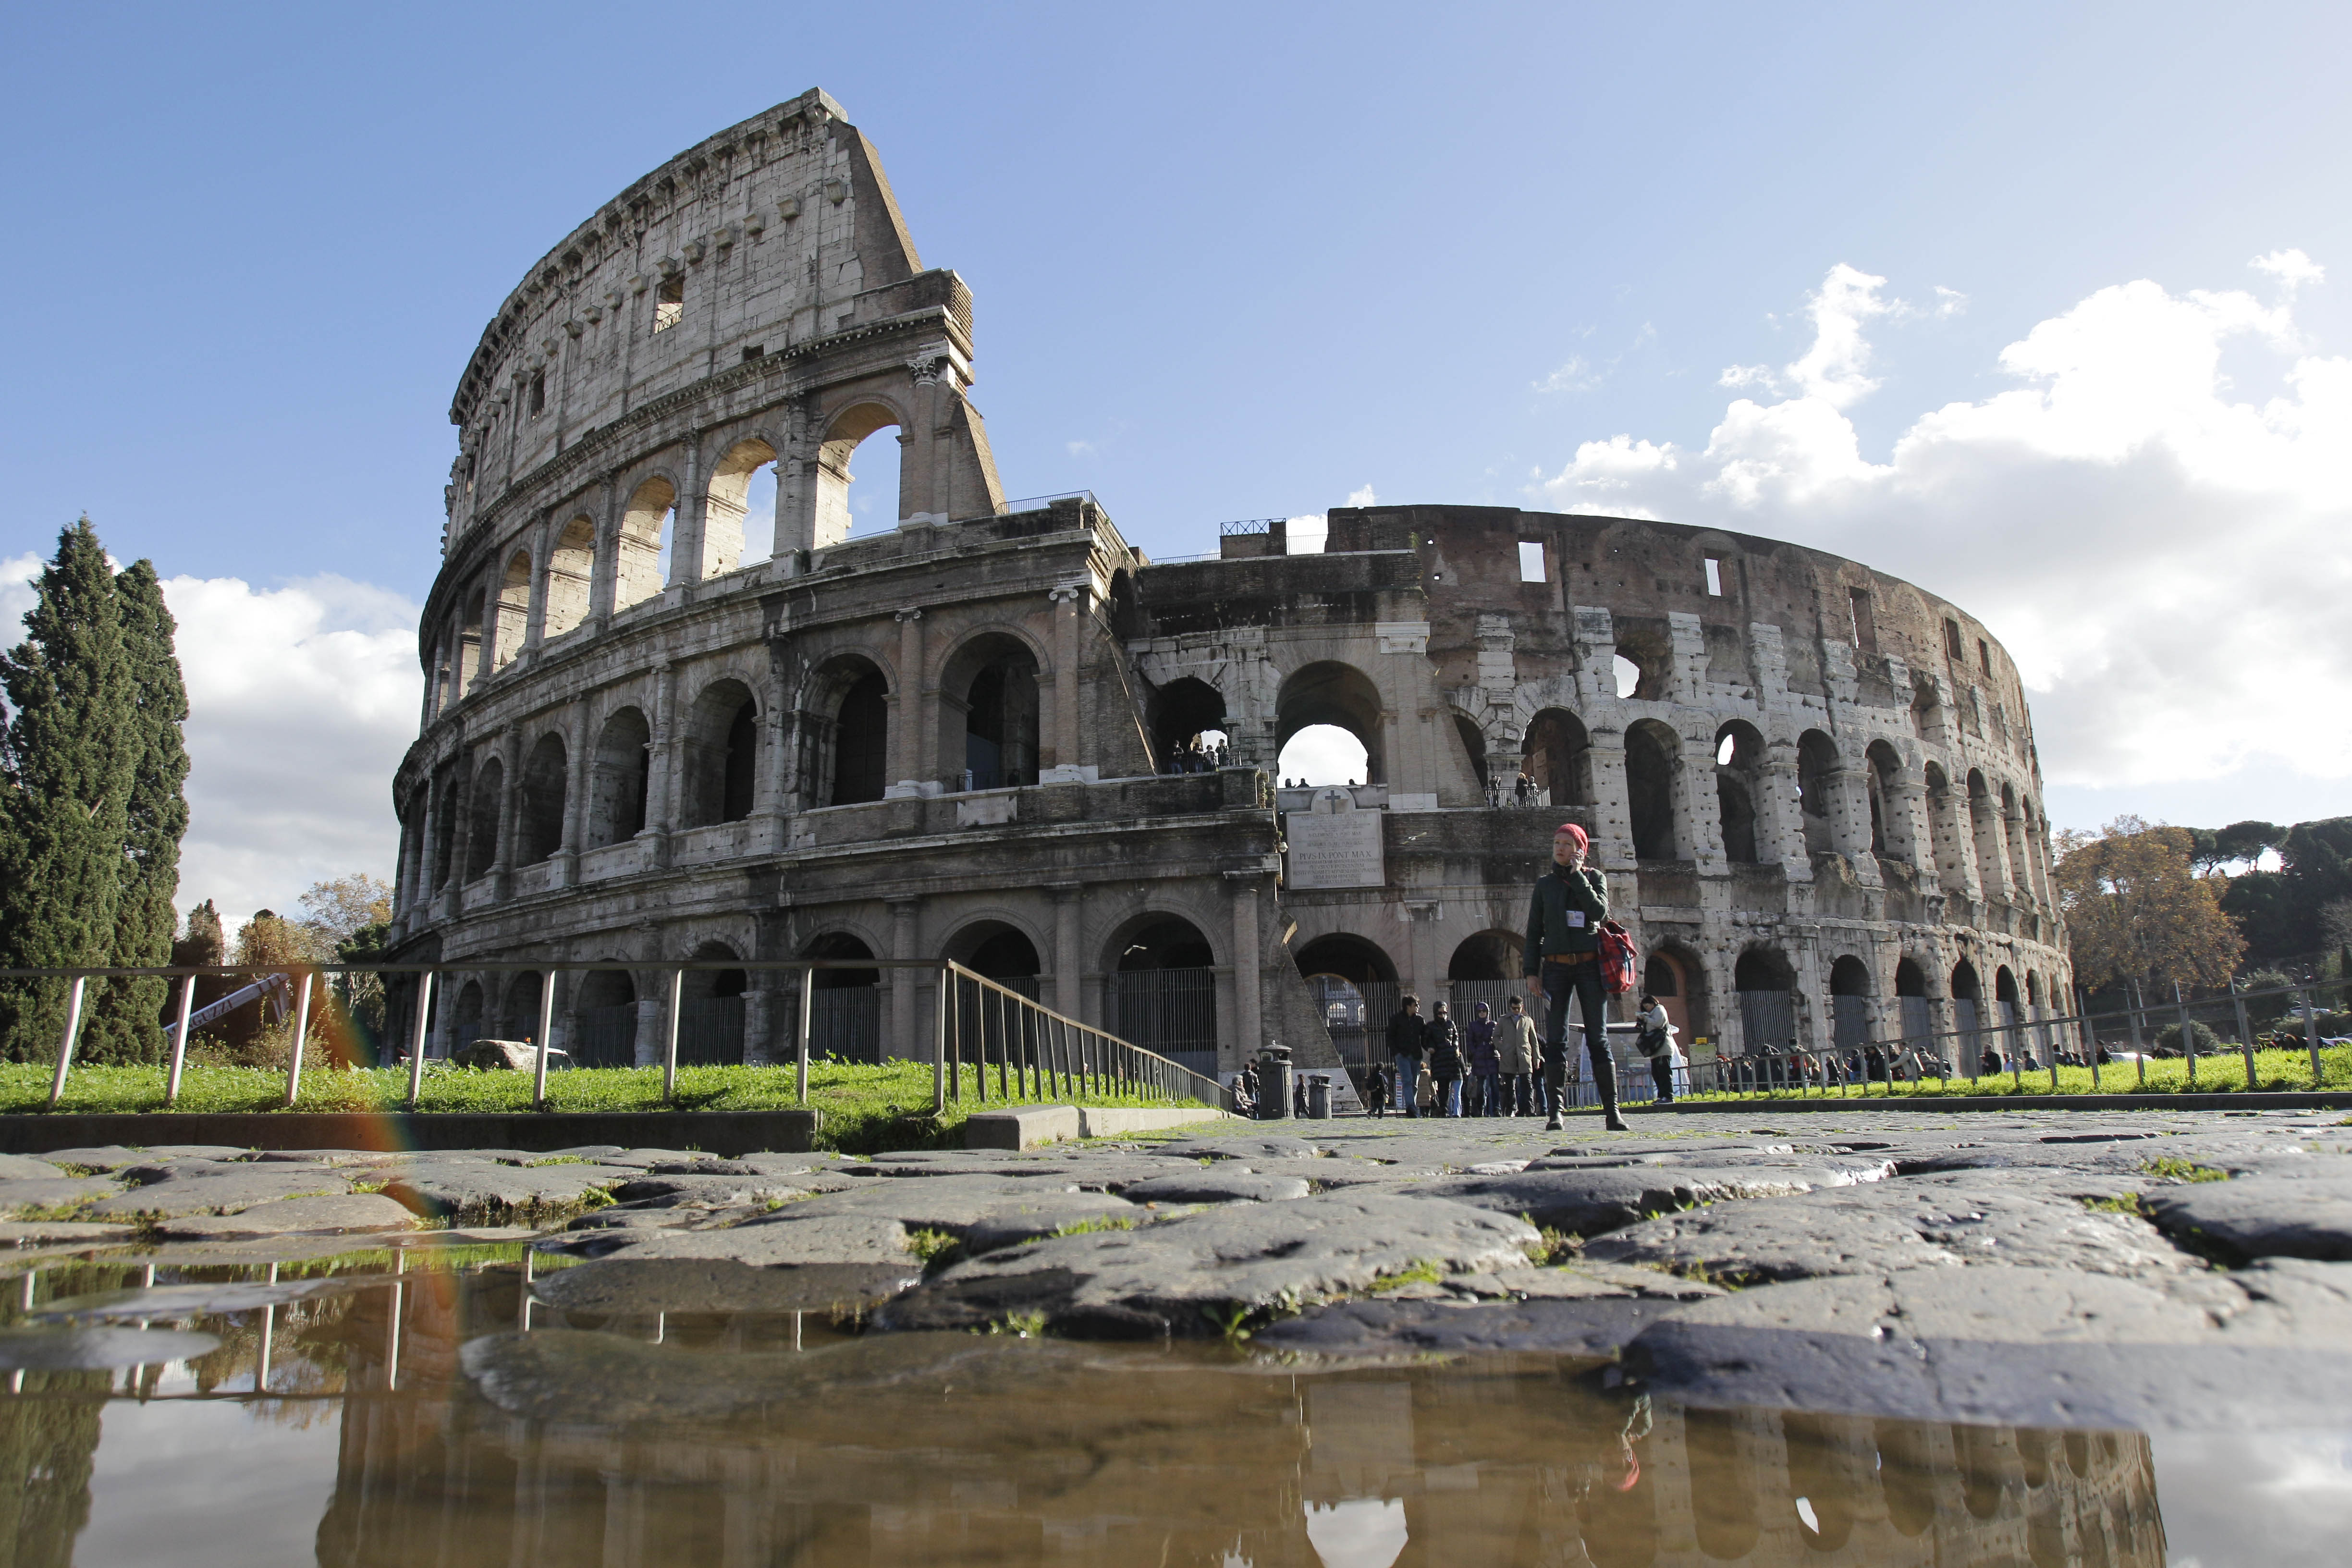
pixel 1562 956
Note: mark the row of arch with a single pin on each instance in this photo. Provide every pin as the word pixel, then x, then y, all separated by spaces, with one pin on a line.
pixel 638 555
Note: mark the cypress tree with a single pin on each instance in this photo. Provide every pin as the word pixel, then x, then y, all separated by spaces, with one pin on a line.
pixel 125 1022
pixel 66 803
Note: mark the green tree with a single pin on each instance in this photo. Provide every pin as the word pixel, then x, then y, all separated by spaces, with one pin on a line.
pixel 124 1022
pixel 64 809
pixel 2137 910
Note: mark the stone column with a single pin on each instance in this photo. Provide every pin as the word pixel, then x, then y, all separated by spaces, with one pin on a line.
pixel 905 1030
pixel 577 766
pixel 1249 976
pixel 908 751
pixel 1985 831
pixel 1779 821
pixel 427 861
pixel 1698 834
pixel 1613 814
pixel 1069 603
pixel 651 1010
pixel 1849 813
pixel 604 569
pixel 1955 843
pixel 756 1026
pixel 2020 861
pixel 686 562
pixel 509 750
pixel 662 764
pixel 1069 907
pixel 1907 827
pixel 542 547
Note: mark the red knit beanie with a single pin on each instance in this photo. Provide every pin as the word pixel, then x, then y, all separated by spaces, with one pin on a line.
pixel 1573 831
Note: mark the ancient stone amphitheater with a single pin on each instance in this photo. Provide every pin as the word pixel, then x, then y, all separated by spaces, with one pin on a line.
pixel 677 708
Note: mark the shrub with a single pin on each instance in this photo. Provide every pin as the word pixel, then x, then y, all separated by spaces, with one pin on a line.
pixel 2168 1040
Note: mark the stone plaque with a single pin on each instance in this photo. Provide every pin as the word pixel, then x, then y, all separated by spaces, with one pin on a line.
pixel 1338 849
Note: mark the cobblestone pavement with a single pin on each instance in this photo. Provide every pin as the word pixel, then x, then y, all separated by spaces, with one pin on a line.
pixel 2066 1268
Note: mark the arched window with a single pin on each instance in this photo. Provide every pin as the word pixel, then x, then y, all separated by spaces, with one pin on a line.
pixel 1890 829
pixel 1188 720
pixel 722 754
pixel 469 645
pixel 486 800
pixel 1559 758
pixel 1850 991
pixel 710 1010
pixel 1653 754
pixel 1817 760
pixel 1918 1012
pixel 1675 976
pixel 1355 991
pixel 845 1005
pixel 1967 1005
pixel 1484 968
pixel 546 777
pixel 448 843
pixel 641 553
pixel 604 1020
pixel 468 1019
pixel 520 1014
pixel 738 514
pixel 514 610
pixel 1002 952
pixel 617 780
pixel 1739 763
pixel 570 567
pixel 993 683
pixel 1767 1014
pixel 1161 993
pixel 1337 695
pixel 838 508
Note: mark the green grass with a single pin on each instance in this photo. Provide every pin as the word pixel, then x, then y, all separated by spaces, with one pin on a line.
pixel 866 1109
pixel 2222 1074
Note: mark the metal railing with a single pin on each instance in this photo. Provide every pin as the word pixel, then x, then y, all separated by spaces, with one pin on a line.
pixel 979 1024
pixel 2120 1040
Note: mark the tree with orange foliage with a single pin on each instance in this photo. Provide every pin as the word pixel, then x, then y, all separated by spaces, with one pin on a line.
pixel 2137 910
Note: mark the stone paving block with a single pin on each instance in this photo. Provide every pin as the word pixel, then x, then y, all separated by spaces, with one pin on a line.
pixel 642 1286
pixel 2260 1216
pixel 350 1214
pixel 21 1195
pixel 952 1203
pixel 1221 1183
pixel 835 1239
pixel 15 1233
pixel 105 1157
pixel 25 1168
pixel 1188 1276
pixel 1022 1219
pixel 207 1187
pixel 1593 1327
pixel 482 1187
pixel 1590 1202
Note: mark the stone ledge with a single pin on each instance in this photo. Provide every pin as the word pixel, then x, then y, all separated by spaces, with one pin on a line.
pixel 1033 1126
pixel 727 1133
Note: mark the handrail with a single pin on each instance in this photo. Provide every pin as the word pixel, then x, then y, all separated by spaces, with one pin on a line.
pixel 1035 1044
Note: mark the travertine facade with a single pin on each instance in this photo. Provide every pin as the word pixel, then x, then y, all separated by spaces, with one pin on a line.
pixel 645 741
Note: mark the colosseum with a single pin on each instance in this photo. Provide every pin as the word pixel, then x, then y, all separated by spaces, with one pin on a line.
pixel 687 699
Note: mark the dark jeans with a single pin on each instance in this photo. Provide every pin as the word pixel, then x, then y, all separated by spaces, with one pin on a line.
pixel 1524 1094
pixel 1582 981
pixel 1404 1080
pixel 1487 1098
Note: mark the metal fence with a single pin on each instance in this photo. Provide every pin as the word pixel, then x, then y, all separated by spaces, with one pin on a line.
pixel 982 1026
pixel 1170 1011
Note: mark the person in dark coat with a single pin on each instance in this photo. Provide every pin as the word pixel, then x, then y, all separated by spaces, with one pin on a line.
pixel 1486 1093
pixel 1408 1033
pixel 1443 1044
pixel 1376 1091
pixel 1563 961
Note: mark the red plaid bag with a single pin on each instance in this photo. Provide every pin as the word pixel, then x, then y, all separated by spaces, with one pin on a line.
pixel 1616 955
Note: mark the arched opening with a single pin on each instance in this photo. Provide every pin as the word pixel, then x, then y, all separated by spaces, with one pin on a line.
pixel 604 1020
pixel 1188 725
pixel 1324 754
pixel 1653 753
pixel 447 841
pixel 710 1010
pixel 722 754
pixel 2009 1012
pixel 546 775
pixel 469 645
pixel 1767 985
pixel 1890 832
pixel 1927 709
pixel 1738 764
pixel 845 1004
pixel 484 802
pixel 1484 968
pixel 1335 695
pixel 1559 758
pixel 642 549
pixel 467 1021
pixel 1002 952
pixel 1850 991
pixel 617 779
pixel 989 694
pixel 519 1017
pixel 1161 993
pixel 857 733
pixel 1918 1011
pixel 514 610
pixel 1355 991
pixel 1817 759
pixel 570 566
pixel 738 531
pixel 1644 661
pixel 1677 979
pixel 1473 744
pixel 1967 1008
pixel 841 502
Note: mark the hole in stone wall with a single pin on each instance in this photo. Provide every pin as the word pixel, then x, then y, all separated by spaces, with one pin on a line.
pixel 669 302
pixel 1714 576
pixel 1628 675
pixel 1531 562
pixel 1323 755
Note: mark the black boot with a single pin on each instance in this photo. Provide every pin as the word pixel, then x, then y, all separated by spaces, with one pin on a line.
pixel 1604 1078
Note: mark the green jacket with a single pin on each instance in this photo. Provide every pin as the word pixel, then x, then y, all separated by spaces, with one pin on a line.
pixel 1557 892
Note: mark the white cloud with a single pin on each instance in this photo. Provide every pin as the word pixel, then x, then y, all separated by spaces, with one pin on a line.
pixel 1080 448
pixel 1360 496
pixel 2291 268
pixel 1949 301
pixel 2165 559
pixel 1574 376
pixel 16 596
pixel 301 700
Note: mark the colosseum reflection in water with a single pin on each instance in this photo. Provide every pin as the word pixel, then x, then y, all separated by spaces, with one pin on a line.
pixel 678 708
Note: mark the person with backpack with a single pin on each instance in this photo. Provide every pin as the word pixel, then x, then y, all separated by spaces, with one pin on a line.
pixel 1563 961
pixel 1486 1081
pixel 1445 1063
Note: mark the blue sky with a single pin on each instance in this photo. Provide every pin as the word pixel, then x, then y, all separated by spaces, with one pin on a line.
pixel 1241 261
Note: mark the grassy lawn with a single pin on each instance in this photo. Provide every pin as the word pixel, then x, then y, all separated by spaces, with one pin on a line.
pixel 866 1109
pixel 2224 1074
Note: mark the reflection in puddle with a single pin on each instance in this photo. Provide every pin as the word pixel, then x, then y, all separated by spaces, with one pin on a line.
pixel 391 1412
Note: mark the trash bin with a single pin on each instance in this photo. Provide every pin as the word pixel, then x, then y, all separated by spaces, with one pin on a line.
pixel 1318 1097
pixel 1273 1082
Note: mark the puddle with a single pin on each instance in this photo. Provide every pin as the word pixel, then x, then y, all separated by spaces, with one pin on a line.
pixel 382 1408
